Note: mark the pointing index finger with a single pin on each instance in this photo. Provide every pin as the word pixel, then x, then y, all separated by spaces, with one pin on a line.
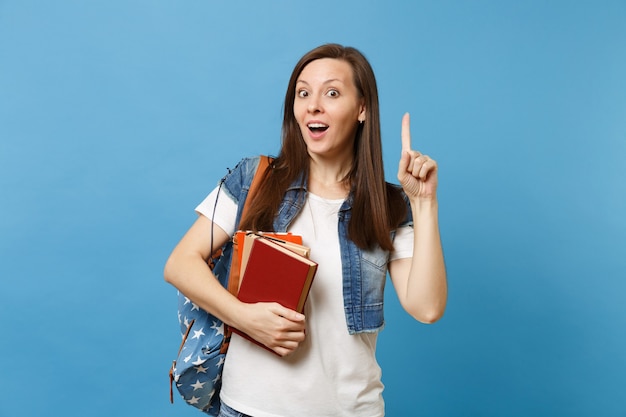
pixel 406 132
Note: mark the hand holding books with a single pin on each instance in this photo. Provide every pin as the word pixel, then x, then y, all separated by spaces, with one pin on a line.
pixel 274 268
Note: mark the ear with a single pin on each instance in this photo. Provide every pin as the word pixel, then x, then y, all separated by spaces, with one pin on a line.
pixel 362 113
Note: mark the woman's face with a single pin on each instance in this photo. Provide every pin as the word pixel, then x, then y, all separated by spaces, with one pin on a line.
pixel 328 107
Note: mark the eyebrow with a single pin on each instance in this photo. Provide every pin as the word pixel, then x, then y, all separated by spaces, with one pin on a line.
pixel 332 80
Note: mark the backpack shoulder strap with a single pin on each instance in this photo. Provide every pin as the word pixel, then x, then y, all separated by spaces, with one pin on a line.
pixel 233 277
pixel 264 162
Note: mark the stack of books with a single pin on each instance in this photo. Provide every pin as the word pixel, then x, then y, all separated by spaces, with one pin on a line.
pixel 274 268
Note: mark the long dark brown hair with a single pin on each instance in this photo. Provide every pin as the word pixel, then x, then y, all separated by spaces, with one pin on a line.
pixel 377 207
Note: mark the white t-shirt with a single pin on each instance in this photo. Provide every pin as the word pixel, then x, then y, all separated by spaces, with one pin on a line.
pixel 332 373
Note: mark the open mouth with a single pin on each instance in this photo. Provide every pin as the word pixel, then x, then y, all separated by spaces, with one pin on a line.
pixel 317 127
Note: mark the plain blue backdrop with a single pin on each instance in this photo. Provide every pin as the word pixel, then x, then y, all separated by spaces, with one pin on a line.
pixel 118 117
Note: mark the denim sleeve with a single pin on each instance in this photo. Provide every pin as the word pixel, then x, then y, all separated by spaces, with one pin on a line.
pixel 237 182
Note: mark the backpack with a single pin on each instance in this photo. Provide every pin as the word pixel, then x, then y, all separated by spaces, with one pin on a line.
pixel 197 370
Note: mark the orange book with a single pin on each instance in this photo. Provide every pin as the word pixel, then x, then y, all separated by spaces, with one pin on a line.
pixel 274 273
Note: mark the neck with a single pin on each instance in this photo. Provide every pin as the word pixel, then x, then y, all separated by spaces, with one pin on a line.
pixel 327 179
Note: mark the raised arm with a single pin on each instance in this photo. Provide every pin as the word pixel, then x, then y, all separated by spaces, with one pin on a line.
pixel 420 281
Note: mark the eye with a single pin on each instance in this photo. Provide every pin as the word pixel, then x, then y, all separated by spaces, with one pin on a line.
pixel 333 93
pixel 302 93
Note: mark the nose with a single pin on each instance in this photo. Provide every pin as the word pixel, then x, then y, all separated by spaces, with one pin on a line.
pixel 314 105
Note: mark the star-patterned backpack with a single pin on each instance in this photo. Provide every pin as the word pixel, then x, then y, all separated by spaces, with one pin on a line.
pixel 197 371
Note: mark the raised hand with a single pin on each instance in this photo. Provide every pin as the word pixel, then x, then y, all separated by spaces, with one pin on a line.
pixel 417 173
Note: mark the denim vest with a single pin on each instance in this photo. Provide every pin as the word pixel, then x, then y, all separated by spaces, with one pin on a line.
pixel 364 271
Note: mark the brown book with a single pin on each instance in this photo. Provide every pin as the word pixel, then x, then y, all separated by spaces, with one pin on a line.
pixel 274 273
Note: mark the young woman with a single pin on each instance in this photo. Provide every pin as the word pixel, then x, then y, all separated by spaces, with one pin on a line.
pixel 327 185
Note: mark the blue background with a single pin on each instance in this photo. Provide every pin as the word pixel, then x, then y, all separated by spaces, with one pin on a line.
pixel 117 117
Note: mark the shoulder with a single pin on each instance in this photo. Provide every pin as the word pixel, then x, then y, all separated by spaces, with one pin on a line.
pixel 399 205
pixel 246 166
pixel 396 195
pixel 240 177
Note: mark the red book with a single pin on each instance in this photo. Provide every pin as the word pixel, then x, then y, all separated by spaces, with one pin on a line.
pixel 243 251
pixel 274 273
